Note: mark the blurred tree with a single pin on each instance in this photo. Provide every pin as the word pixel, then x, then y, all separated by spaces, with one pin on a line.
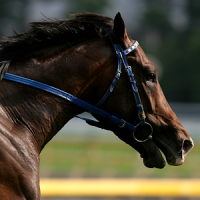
pixel 182 64
pixel 12 14
pixel 178 49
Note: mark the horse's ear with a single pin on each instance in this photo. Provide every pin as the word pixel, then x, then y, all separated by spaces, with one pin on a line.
pixel 119 28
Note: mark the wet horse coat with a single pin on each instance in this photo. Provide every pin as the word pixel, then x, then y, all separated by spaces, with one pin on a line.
pixel 76 56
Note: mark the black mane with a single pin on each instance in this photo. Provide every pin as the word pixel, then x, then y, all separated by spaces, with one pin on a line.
pixel 46 33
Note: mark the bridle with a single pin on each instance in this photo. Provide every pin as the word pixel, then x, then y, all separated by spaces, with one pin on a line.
pixel 121 56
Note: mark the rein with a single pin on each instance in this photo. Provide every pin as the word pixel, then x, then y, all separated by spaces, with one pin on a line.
pixel 121 56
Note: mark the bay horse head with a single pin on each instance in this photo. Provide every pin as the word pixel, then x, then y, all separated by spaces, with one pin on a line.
pixel 168 134
pixel 76 58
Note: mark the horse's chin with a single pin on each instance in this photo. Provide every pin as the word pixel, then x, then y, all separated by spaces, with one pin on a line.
pixel 152 156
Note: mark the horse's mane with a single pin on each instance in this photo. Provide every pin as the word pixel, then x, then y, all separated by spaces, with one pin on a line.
pixel 48 32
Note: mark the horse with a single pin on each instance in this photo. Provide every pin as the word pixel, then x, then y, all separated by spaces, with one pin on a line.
pixel 77 56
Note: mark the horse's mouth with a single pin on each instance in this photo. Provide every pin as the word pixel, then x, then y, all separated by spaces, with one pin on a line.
pixel 152 156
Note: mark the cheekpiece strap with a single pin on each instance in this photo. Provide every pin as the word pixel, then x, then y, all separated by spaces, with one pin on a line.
pixel 121 56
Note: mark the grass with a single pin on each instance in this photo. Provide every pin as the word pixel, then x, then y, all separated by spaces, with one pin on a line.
pixel 108 159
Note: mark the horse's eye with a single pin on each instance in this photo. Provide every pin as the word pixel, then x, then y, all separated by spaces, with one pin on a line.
pixel 151 77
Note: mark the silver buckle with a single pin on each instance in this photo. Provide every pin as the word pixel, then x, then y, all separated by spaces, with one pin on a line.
pixel 149 136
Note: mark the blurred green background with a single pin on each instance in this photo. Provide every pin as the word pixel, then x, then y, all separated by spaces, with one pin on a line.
pixel 107 159
pixel 169 33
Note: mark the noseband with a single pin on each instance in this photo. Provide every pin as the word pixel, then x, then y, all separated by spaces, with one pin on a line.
pixel 121 56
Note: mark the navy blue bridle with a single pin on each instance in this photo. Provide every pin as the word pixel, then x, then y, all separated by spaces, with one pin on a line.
pixel 121 56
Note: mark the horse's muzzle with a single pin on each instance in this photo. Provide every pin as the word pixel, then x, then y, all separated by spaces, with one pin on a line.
pixel 177 160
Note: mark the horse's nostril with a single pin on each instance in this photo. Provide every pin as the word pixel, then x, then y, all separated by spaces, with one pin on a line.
pixel 187 146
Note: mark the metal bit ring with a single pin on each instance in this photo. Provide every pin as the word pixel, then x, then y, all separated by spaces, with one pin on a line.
pixel 150 135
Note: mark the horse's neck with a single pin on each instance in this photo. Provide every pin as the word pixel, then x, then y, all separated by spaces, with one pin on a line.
pixel 76 70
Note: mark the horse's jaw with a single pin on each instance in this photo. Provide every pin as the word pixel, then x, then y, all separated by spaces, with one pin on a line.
pixel 174 150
